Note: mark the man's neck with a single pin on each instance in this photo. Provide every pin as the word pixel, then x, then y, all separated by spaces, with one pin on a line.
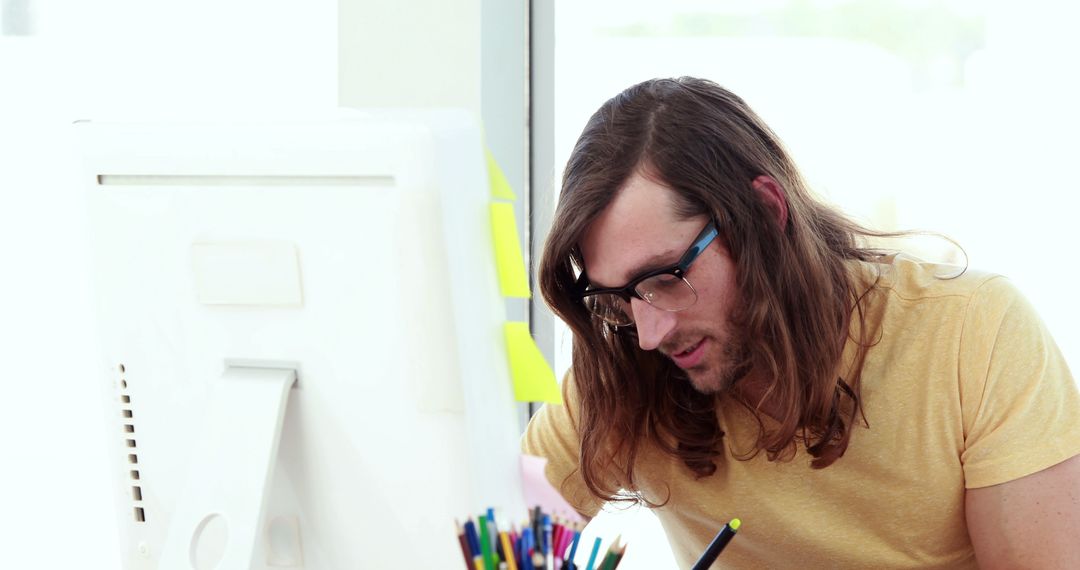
pixel 752 389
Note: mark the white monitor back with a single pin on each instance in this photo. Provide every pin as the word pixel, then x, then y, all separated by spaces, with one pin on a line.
pixel 356 249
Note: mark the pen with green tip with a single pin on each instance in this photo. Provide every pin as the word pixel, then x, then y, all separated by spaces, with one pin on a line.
pixel 722 538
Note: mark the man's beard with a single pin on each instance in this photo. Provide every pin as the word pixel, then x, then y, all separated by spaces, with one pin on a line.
pixel 721 372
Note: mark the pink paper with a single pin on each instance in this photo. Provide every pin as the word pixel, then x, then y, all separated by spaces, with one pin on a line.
pixel 538 491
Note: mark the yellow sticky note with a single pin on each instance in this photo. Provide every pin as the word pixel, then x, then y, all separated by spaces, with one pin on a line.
pixel 534 381
pixel 513 281
pixel 500 186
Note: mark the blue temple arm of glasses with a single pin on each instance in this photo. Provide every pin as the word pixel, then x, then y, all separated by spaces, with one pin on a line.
pixel 707 235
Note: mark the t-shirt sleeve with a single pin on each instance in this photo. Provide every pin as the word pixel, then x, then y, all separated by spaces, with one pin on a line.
pixel 1021 409
pixel 553 434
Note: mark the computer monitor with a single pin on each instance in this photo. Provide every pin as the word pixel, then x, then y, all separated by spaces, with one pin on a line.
pixel 302 339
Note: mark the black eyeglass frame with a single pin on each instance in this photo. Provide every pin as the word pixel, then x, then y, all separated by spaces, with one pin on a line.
pixel 628 291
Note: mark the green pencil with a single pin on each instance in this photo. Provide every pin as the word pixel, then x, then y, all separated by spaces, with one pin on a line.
pixel 618 557
pixel 610 558
pixel 485 545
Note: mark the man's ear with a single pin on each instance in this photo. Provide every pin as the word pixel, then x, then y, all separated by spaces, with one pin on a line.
pixel 773 195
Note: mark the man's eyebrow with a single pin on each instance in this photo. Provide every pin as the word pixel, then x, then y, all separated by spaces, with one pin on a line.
pixel 654 262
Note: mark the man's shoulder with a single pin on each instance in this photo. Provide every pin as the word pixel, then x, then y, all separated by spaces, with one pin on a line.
pixel 911 279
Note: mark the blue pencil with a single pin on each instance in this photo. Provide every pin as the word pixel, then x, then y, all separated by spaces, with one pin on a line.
pixel 595 551
pixel 472 538
pixel 571 565
pixel 549 555
pixel 526 546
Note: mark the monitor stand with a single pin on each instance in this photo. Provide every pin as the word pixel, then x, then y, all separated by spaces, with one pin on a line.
pixel 220 511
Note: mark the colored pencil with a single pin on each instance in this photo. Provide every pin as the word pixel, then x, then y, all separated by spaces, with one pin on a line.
pixel 508 552
pixel 592 557
pixel 526 548
pixel 608 562
pixel 474 544
pixel 619 557
pixel 485 545
pixel 464 542
pixel 567 538
pixel 538 524
pixel 549 544
pixel 489 543
pixel 717 545
pixel 573 548
pixel 560 536
pixel 493 533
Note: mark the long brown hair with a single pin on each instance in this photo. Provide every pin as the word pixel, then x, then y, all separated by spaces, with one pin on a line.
pixel 797 290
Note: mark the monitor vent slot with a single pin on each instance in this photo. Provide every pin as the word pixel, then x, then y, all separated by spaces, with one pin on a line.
pixel 127 415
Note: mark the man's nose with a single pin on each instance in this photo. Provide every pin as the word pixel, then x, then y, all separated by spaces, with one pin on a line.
pixel 653 325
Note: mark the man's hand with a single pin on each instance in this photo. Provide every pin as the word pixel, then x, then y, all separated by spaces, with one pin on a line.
pixel 1032 522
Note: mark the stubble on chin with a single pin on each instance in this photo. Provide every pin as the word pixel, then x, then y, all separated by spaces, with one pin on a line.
pixel 709 381
pixel 719 373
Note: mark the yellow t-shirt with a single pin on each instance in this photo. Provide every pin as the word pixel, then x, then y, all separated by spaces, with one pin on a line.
pixel 966 389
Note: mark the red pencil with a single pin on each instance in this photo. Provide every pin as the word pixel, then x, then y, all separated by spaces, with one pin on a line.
pixel 557 538
pixel 465 551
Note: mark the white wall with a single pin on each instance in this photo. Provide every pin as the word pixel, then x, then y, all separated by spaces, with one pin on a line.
pixel 110 58
pixel 415 53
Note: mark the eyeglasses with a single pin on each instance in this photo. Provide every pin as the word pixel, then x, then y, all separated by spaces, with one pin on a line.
pixel 666 289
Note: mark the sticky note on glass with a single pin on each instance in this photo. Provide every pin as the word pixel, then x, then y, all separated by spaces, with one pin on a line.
pixel 500 186
pixel 508 259
pixel 534 381
pixel 539 491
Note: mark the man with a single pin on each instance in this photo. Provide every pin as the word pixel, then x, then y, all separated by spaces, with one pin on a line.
pixel 738 351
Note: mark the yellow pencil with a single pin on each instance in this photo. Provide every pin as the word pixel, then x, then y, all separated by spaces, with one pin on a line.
pixel 510 562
